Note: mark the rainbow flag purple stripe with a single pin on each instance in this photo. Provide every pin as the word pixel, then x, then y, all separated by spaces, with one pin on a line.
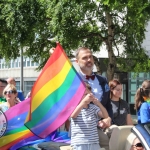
pixel 55 95
pixel 16 131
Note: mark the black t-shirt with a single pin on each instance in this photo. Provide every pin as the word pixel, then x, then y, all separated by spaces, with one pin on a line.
pixel 120 117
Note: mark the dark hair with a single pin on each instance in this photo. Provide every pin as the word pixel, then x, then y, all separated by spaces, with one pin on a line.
pixel 143 91
pixel 3 81
pixel 112 85
pixel 88 86
pixel 81 49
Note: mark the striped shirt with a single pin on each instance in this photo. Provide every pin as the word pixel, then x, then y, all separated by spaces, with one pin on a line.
pixel 84 126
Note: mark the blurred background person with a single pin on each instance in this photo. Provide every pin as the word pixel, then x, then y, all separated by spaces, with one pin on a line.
pixel 137 145
pixel 20 94
pixel 3 84
pixel 142 102
pixel 121 111
pixel 10 93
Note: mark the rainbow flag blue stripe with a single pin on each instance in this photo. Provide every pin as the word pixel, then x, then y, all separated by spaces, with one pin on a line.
pixel 55 95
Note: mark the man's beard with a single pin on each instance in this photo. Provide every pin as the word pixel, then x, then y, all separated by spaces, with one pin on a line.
pixel 86 68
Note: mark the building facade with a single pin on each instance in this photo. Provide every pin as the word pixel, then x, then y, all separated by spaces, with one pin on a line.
pixel 13 69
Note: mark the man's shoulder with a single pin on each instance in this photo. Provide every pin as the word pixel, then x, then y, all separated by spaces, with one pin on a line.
pixel 100 77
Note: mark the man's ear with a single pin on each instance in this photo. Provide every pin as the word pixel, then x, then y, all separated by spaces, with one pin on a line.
pixel 76 61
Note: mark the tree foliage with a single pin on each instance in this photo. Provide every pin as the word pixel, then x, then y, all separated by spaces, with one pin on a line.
pixel 24 25
pixel 37 24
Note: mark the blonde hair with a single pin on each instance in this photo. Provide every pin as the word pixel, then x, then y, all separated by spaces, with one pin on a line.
pixel 10 86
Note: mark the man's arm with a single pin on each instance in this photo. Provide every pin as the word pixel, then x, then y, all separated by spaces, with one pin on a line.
pixel 103 112
pixel 106 122
pixel 108 107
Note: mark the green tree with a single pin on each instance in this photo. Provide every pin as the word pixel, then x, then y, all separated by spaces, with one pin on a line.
pixel 117 24
pixel 24 24
pixel 108 22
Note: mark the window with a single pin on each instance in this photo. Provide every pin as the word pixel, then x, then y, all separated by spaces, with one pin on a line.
pixel 18 85
pixel 37 64
pixel 12 64
pixel 28 63
pixel 24 63
pixel 28 86
pixel 2 65
pixel 16 64
pixel 32 63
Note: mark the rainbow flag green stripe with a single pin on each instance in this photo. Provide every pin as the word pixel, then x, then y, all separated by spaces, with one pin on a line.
pixel 56 97
pixel 23 128
pixel 52 99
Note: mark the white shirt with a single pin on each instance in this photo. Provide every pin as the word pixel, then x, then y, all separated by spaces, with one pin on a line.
pixel 96 87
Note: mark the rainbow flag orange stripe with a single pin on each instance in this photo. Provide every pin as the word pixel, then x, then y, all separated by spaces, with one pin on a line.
pixel 56 93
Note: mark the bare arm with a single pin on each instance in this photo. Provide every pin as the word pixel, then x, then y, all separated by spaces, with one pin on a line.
pixel 106 122
pixel 86 100
pixel 77 111
pixel 103 112
pixel 129 120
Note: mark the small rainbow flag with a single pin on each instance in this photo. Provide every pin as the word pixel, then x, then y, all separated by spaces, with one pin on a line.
pixel 55 94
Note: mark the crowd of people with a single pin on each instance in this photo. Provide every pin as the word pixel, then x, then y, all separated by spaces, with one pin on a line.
pixel 100 108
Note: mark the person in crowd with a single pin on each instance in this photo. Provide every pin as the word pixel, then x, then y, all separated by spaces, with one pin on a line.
pixel 28 95
pixel 84 134
pixel 121 111
pixel 142 102
pixel 137 145
pixel 3 84
pixel 100 89
pixel 20 94
pixel 10 93
pixel 99 86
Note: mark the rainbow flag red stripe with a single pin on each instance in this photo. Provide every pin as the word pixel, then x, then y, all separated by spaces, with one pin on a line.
pixel 56 93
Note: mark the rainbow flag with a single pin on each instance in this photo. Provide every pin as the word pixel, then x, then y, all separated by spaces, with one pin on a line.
pixel 17 135
pixel 16 131
pixel 55 94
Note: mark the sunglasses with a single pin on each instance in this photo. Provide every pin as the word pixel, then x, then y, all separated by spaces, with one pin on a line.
pixel 9 92
pixel 138 145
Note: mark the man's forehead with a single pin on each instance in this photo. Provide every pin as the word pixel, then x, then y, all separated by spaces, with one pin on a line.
pixel 83 53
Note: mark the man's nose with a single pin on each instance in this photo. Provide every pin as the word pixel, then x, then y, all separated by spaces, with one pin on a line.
pixel 89 59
